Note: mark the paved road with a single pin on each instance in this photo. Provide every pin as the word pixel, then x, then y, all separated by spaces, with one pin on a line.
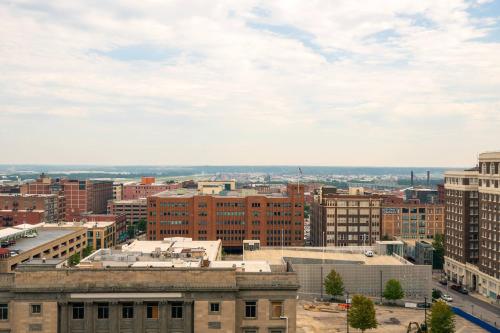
pixel 472 305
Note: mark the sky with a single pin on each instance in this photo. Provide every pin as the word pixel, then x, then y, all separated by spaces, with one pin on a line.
pixel 157 82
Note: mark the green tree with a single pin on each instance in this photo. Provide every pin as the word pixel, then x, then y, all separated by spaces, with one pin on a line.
pixel 393 290
pixel 334 285
pixel 362 313
pixel 87 251
pixel 438 253
pixel 142 225
pixel 386 237
pixel 74 259
pixel 442 318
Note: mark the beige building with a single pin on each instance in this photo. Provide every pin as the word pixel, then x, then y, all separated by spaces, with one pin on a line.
pixel 345 220
pixel 194 300
pixel 23 243
pixel 100 235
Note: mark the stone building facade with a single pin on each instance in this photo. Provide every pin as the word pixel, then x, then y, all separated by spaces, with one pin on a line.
pixel 148 300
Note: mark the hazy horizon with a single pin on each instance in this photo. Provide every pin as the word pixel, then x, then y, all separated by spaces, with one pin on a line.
pixel 324 83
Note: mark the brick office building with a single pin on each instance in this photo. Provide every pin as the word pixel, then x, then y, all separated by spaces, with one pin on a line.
pixel 412 220
pixel 30 208
pixel 146 188
pixel 231 216
pixel 80 196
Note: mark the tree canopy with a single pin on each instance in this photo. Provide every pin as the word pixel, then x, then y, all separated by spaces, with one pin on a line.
pixel 438 254
pixel 334 285
pixel 362 313
pixel 442 318
pixel 393 290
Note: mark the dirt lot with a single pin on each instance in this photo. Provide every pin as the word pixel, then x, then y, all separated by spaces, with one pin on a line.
pixel 390 319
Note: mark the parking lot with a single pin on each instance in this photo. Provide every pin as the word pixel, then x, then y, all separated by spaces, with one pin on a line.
pixel 390 319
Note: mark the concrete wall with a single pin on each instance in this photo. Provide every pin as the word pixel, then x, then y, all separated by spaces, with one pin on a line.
pixel 365 279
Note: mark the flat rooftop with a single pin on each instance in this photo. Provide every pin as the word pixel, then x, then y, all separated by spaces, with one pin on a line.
pixel 44 235
pixel 189 193
pixel 247 266
pixel 274 255
pixel 211 248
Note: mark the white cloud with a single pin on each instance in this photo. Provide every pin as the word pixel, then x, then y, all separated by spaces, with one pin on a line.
pixel 289 82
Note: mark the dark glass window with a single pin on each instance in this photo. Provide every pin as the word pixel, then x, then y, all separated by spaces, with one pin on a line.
pixel 78 311
pixel 36 308
pixel 176 310
pixel 251 309
pixel 214 307
pixel 128 310
pixel 103 311
pixel 4 311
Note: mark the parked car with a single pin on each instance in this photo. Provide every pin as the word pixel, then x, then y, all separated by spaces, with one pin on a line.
pixel 423 305
pixel 443 282
pixel 369 253
pixel 447 298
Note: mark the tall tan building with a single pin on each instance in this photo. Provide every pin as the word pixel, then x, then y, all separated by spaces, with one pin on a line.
pixel 344 219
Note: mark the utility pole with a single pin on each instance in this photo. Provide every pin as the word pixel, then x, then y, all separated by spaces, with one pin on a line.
pixel 381 287
pixel 322 263
pixel 347 311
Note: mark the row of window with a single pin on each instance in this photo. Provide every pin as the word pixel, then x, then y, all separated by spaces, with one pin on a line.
pixel 128 311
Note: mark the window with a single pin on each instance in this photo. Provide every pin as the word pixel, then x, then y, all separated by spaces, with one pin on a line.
pixel 250 331
pixel 128 310
pixel 102 311
pixel 214 308
pixel 176 310
pixel 152 311
pixel 4 311
pixel 276 309
pixel 78 311
pixel 251 309
pixel 36 309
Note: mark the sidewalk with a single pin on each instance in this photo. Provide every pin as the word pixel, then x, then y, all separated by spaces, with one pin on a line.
pixel 485 299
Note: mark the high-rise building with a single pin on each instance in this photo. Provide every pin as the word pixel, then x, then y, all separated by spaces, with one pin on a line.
pixel 489 223
pixel 345 219
pixel 462 216
pixel 231 216
pixel 472 252
pixel 117 191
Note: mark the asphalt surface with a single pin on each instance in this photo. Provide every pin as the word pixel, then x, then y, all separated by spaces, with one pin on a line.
pixel 478 308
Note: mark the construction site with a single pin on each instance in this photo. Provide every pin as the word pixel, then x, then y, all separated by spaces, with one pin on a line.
pixel 320 317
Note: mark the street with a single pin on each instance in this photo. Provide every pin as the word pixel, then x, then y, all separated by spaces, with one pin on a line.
pixel 472 305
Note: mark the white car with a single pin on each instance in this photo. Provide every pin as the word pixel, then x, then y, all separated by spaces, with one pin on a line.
pixel 447 298
pixel 369 253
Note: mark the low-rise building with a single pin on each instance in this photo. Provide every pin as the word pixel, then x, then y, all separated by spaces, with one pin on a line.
pixel 145 188
pixel 412 220
pixel 145 299
pixel 25 242
pixel 134 210
pixel 18 206
pixel 361 274
pixel 100 235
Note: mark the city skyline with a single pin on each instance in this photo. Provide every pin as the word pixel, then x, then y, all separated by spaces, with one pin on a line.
pixel 327 83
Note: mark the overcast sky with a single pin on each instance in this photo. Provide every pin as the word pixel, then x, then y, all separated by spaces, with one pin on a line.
pixel 371 83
